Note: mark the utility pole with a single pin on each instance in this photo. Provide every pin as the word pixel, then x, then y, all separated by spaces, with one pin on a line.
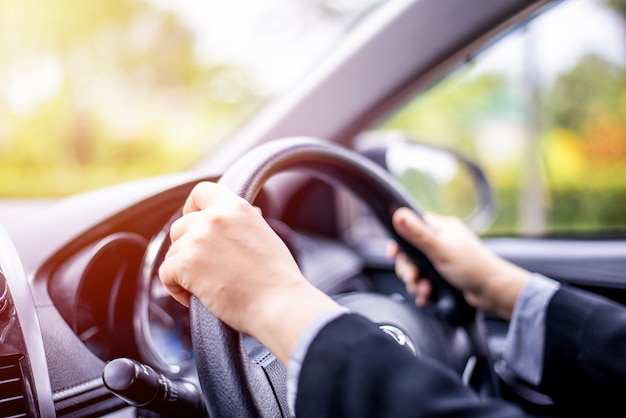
pixel 532 197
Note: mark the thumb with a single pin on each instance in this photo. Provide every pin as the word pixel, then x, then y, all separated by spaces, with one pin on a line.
pixel 414 229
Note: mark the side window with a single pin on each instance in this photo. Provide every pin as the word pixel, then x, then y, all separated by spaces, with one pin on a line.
pixel 543 111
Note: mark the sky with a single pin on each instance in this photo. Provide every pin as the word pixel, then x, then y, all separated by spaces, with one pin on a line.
pixel 560 40
pixel 280 38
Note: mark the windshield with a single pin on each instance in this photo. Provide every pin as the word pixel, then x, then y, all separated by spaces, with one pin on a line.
pixel 100 92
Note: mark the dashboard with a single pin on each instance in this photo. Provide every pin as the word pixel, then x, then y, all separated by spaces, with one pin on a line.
pixel 110 295
pixel 97 297
pixel 78 320
pixel 67 315
pixel 93 297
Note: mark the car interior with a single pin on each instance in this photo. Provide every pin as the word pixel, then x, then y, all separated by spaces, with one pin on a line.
pixel 82 307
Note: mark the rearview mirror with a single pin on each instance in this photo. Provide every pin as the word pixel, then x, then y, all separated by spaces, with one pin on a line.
pixel 440 180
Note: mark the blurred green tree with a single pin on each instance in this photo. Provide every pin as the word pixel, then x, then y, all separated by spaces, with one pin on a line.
pixel 103 91
pixel 593 82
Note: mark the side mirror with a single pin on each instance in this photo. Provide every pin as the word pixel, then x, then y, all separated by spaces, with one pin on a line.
pixel 440 180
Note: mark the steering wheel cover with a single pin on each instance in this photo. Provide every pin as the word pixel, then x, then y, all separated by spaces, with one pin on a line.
pixel 231 384
pixel 238 387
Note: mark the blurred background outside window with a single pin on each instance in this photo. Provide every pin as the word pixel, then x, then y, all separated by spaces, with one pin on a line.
pixel 103 91
pixel 98 92
pixel 543 111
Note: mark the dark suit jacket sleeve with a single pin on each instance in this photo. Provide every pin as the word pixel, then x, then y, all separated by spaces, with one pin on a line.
pixel 585 351
pixel 352 369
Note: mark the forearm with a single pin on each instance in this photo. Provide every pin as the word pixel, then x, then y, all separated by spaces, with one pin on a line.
pixel 284 316
pixel 502 289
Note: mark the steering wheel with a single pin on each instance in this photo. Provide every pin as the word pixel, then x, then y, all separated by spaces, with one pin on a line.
pixel 232 383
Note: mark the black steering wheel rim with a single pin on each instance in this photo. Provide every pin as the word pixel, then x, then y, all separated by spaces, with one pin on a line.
pixel 231 383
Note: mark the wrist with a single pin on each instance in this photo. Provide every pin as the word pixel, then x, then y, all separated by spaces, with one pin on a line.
pixel 285 314
pixel 504 287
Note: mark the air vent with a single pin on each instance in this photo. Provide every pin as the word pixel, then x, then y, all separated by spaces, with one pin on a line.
pixel 13 401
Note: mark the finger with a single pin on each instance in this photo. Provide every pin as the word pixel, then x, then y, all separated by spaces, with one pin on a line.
pixel 414 229
pixel 434 221
pixel 392 250
pixel 423 292
pixel 167 275
pixel 412 289
pixel 181 225
pixel 205 194
pixel 406 270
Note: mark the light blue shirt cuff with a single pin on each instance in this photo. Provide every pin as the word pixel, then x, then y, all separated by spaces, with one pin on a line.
pixel 300 349
pixel 524 350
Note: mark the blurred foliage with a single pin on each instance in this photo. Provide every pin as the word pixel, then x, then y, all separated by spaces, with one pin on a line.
pixel 448 114
pixel 101 92
pixel 583 137
pixel 590 86
pixel 618 5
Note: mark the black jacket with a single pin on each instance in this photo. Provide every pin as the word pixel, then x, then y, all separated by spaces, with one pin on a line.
pixel 352 369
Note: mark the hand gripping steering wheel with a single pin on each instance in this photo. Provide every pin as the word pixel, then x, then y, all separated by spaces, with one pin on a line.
pixel 233 384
